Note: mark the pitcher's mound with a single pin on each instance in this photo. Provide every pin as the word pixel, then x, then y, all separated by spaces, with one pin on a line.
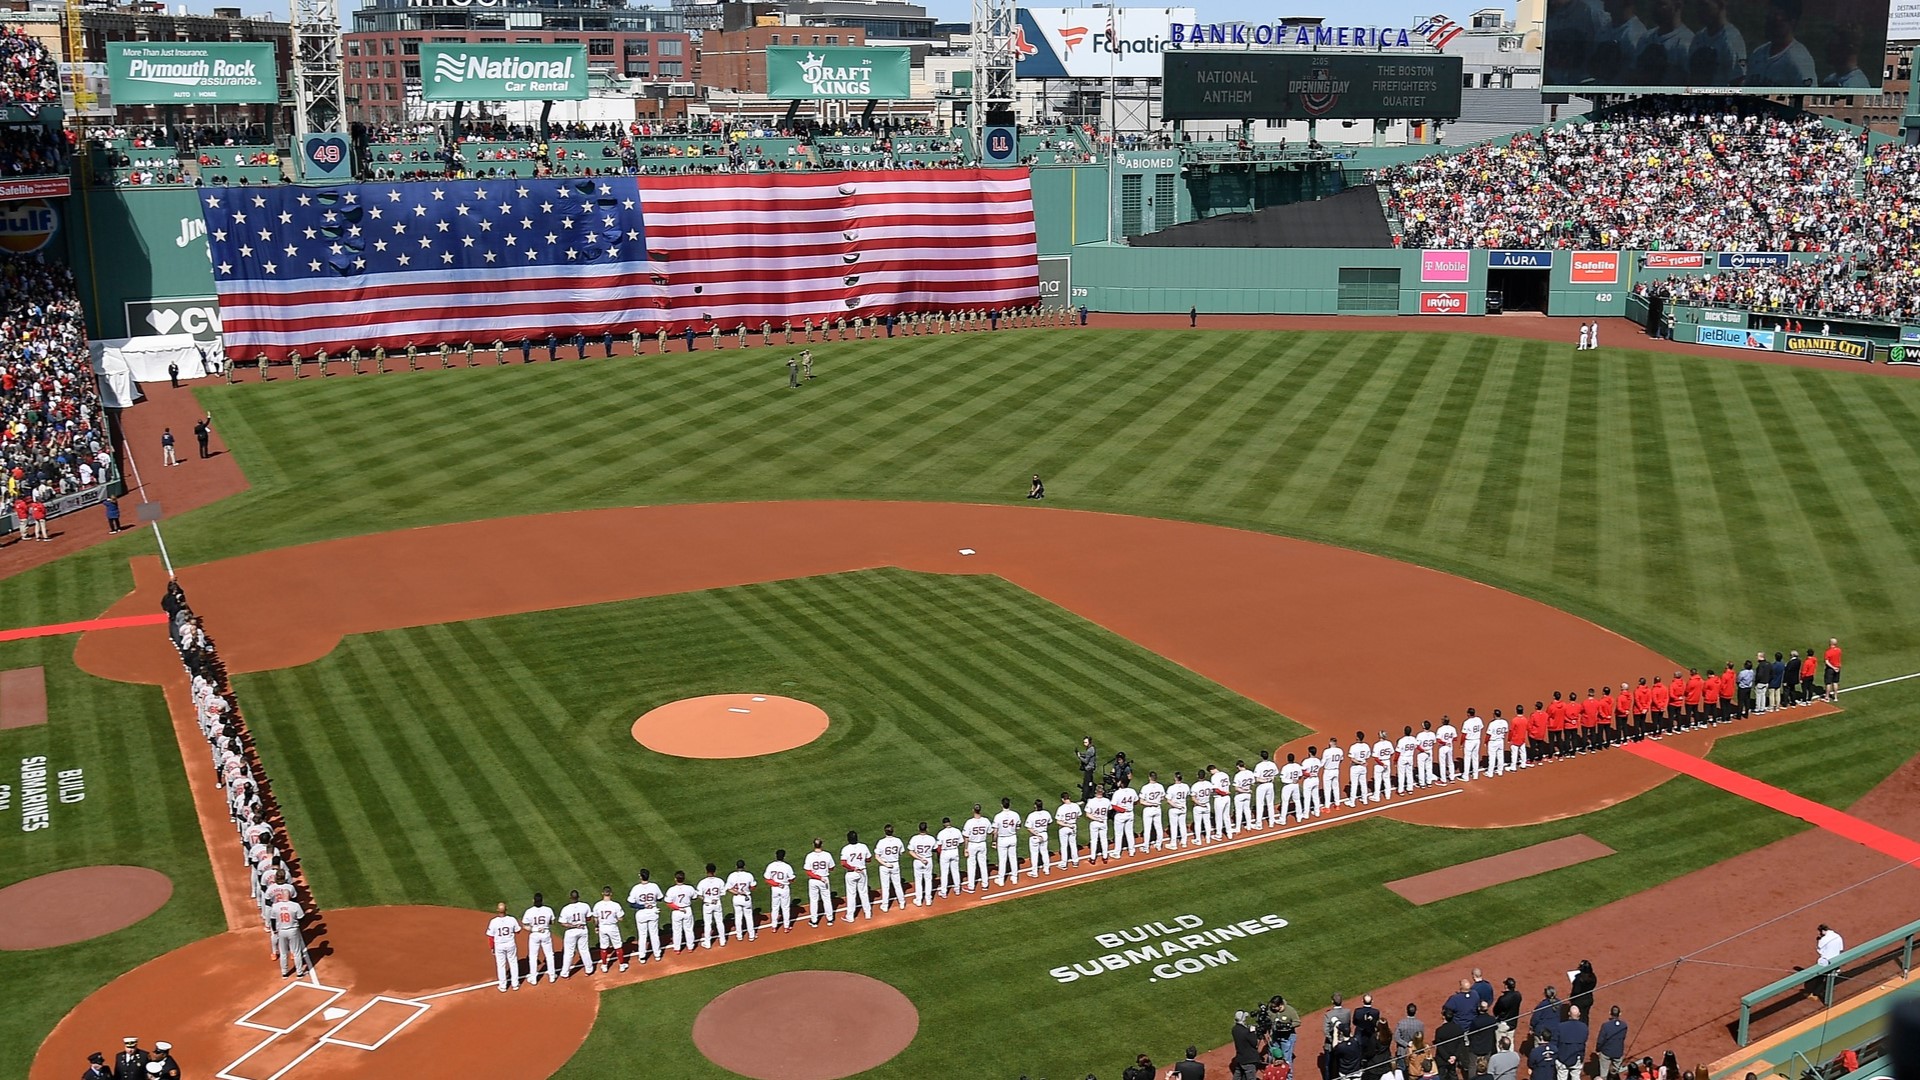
pixel 75 905
pixel 827 1024
pixel 729 726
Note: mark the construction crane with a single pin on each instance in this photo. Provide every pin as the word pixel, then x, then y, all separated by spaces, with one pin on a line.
pixel 82 97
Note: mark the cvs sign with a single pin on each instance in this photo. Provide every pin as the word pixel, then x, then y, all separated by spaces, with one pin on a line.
pixel 195 315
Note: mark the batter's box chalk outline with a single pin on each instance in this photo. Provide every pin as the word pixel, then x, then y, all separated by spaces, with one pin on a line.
pixel 248 1020
pixel 419 1009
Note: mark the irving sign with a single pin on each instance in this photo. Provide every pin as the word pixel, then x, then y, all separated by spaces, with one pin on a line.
pixel 503 72
pixel 852 73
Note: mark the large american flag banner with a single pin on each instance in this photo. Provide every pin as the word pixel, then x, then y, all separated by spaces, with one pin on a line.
pixel 387 264
pixel 778 247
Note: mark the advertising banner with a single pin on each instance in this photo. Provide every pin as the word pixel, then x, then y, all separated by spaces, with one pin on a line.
pixel 1093 43
pixel 1827 345
pixel 1056 281
pixel 324 155
pixel 40 187
pixel 838 72
pixel 1447 265
pixel 1310 86
pixel 1000 144
pixel 1596 268
pixel 1740 260
pixel 198 316
pixel 1910 335
pixel 1443 303
pixel 1729 318
pixel 1674 260
pixel 503 72
pixel 1519 260
pixel 184 72
pixel 27 226
pixel 1728 46
pixel 1735 339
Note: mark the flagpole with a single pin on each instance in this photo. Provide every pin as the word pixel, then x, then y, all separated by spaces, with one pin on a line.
pixel 1113 121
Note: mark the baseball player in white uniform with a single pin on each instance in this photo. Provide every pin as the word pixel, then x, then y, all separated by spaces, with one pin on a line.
pixel 713 917
pixel 1098 809
pixel 1201 798
pixel 1125 799
pixel 1067 817
pixel 779 877
pixel 976 830
pixel 539 923
pixel 645 899
pixel 1222 802
pixel 679 900
pixel 1290 775
pixel 1382 769
pixel 573 922
pixel 923 849
pixel 1264 806
pixel 1178 799
pixel 1447 735
pixel 1310 783
pixel 854 858
pixel 290 945
pixel 1404 751
pixel 1242 797
pixel 818 866
pixel 1470 731
pixel 887 852
pixel 1006 834
pixel 1359 754
pixel 607 915
pixel 1497 730
pixel 740 885
pixel 1153 799
pixel 950 839
pixel 1424 742
pixel 1330 761
pixel 1039 855
pixel 504 932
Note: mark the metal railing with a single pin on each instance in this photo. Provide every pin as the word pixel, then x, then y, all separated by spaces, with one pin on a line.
pixel 1826 976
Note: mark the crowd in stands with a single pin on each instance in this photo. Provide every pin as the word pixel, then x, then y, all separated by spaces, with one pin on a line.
pixel 32 150
pixel 1657 173
pixel 53 436
pixel 29 73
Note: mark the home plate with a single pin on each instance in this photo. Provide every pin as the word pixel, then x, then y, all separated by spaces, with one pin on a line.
pixel 967 551
pixel 335 1013
pixel 737 708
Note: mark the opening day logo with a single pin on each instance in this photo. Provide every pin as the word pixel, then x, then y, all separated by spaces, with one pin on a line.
pixel 1171 949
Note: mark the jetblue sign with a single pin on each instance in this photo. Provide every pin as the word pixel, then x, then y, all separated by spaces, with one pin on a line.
pixel 1740 260
pixel 1519 260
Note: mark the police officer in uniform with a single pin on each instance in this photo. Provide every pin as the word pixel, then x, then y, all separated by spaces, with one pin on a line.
pixel 131 1062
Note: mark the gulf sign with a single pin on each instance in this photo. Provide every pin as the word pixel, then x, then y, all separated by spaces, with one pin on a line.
pixel 27 226
pixel 1596 268
pixel 1674 260
pixel 1443 303
pixel 1446 265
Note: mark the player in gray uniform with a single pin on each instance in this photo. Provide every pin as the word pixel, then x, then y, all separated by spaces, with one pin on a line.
pixel 289 945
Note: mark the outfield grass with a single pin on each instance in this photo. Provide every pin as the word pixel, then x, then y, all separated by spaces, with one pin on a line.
pixel 1696 504
pixel 502 746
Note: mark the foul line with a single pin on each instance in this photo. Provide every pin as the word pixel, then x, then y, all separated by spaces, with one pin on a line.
pixel 1882 682
pixel 119 622
pixel 1826 817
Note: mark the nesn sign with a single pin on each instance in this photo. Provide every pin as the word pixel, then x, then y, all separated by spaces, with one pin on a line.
pixel 1519 260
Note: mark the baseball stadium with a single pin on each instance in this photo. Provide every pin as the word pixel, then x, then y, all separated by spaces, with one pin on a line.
pixel 1090 542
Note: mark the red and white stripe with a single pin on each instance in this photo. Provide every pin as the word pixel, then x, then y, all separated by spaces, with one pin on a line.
pixel 786 247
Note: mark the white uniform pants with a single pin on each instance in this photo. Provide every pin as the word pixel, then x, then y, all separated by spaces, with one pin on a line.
pixel 1382 781
pixel 682 931
pixel 1151 833
pixel 1202 821
pixel 1470 760
pixel 856 886
pixel 743 918
pixel 713 923
pixel 1008 857
pixel 538 945
pixel 1406 773
pixel 1356 784
pixel 1446 765
pixel 1222 822
pixel 1310 796
pixel 506 966
pixel 575 943
pixel 1177 828
pixel 612 949
pixel 1290 796
pixel 1039 858
pixel 949 871
pixel 890 885
pixel 976 865
pixel 1097 839
pixel 819 900
pixel 1496 756
pixel 923 882
pixel 1263 806
pixel 646 933
pixel 782 902
pixel 1517 755
pixel 1330 787
pixel 1243 811
pixel 1123 834
pixel 1069 844
pixel 1425 760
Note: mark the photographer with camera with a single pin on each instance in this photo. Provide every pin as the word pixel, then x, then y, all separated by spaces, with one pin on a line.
pixel 1284 1029
pixel 1248 1047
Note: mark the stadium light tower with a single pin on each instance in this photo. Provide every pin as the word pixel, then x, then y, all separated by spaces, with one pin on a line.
pixel 319 96
pixel 993 29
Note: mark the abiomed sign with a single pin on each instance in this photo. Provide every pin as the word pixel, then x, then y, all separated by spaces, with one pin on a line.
pixel 503 72
pixel 851 73
pixel 172 72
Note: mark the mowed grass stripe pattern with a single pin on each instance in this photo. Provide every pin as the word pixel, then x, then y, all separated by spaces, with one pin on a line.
pixel 455 764
pixel 1697 504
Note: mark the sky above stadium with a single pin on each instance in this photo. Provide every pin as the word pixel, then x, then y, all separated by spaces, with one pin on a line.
pixel 1376 12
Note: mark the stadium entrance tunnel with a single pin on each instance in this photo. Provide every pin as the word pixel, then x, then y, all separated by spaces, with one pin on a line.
pixel 1520 290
